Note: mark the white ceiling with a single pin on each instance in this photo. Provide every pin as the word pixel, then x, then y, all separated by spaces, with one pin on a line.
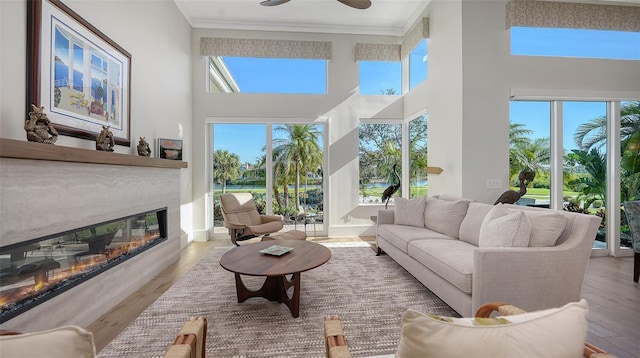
pixel 384 17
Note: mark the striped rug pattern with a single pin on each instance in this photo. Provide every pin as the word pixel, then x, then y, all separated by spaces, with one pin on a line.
pixel 370 293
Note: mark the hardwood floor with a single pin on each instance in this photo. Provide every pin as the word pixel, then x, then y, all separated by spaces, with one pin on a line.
pixel 614 301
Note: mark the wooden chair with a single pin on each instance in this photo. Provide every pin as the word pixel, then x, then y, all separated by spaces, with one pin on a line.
pixel 336 345
pixel 191 341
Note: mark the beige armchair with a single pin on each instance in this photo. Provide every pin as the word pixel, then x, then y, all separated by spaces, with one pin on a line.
pixel 337 346
pixel 243 220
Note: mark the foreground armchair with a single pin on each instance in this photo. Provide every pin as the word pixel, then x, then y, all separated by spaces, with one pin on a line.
pixel 76 342
pixel 243 220
pixel 556 332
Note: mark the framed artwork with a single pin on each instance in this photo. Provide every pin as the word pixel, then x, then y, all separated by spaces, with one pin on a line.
pixel 80 76
pixel 169 149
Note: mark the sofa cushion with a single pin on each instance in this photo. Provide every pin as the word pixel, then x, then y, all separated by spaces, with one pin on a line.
pixel 470 226
pixel 557 332
pixel 546 228
pixel 62 342
pixel 400 235
pixel 409 212
pixel 450 259
pixel 445 216
pixel 504 228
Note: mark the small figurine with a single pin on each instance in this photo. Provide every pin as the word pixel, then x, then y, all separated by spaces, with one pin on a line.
pixel 39 128
pixel 104 140
pixel 143 148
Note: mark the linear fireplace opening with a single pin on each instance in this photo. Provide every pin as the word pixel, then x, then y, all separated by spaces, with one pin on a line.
pixel 35 271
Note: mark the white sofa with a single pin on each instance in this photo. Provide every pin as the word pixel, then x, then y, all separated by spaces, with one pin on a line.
pixel 453 252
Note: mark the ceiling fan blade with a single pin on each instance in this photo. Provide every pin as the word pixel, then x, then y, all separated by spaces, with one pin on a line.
pixel 357 4
pixel 273 2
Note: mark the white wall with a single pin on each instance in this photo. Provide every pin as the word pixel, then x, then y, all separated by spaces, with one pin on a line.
pixel 159 40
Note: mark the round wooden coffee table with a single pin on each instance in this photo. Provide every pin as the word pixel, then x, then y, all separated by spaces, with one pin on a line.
pixel 248 260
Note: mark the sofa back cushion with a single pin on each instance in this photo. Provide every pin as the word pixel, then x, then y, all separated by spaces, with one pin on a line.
pixel 470 226
pixel 505 228
pixel 409 212
pixel 546 228
pixel 445 216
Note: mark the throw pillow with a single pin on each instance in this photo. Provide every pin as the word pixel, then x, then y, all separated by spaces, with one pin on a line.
pixel 545 228
pixel 63 342
pixel 409 212
pixel 445 216
pixel 557 332
pixel 504 228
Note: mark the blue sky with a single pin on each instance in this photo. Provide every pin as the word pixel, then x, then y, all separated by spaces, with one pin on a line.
pixel 309 76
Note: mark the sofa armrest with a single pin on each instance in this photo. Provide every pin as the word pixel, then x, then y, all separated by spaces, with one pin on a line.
pixel 534 278
pixel 385 217
pixel 336 345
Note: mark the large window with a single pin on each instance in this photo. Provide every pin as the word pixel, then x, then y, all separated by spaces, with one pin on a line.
pixel 529 150
pixel 380 78
pixel 418 64
pixel 418 185
pixel 560 42
pixel 380 159
pixel 583 160
pixel 243 156
pixel 268 75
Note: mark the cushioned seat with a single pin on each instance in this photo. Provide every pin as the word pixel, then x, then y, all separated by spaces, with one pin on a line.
pixel 451 259
pixel 401 235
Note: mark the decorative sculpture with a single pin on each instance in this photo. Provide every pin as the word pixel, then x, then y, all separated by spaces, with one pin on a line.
pixel 104 140
pixel 511 196
pixel 388 192
pixel 143 148
pixel 39 128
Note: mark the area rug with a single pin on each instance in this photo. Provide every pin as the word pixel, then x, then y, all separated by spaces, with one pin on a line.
pixel 370 293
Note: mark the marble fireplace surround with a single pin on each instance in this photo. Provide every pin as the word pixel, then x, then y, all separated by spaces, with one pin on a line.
pixel 47 189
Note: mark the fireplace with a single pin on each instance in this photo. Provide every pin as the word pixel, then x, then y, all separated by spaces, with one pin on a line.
pixel 34 271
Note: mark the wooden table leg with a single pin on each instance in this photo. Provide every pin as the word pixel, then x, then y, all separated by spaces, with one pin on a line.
pixel 274 288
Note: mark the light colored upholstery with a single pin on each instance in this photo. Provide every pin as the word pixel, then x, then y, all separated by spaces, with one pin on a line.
pixel 243 220
pixel 409 212
pixel 504 228
pixel 62 342
pixel 554 332
pixel 445 216
pixel 532 278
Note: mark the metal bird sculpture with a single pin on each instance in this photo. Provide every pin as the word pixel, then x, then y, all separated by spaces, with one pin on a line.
pixel 511 196
pixel 388 192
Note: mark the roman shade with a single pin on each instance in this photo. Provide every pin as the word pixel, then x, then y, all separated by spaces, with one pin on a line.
pixel 419 31
pixel 265 48
pixel 377 52
pixel 533 13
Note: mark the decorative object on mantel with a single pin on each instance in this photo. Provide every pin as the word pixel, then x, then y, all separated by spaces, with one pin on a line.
pixel 392 189
pixel 143 148
pixel 104 140
pixel 169 149
pixel 511 196
pixel 39 128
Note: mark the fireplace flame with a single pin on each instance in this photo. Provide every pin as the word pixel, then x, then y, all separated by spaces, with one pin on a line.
pixel 44 281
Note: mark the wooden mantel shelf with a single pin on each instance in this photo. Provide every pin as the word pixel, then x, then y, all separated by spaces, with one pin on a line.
pixel 11 148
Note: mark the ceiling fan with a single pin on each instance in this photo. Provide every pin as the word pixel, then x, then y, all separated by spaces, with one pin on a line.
pixel 356 4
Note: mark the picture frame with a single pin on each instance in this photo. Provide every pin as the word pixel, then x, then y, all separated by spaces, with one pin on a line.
pixel 169 149
pixel 80 76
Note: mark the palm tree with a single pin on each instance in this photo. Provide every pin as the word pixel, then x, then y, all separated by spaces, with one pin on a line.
pixel 594 186
pixel 226 166
pixel 518 139
pixel 298 150
pixel 593 134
